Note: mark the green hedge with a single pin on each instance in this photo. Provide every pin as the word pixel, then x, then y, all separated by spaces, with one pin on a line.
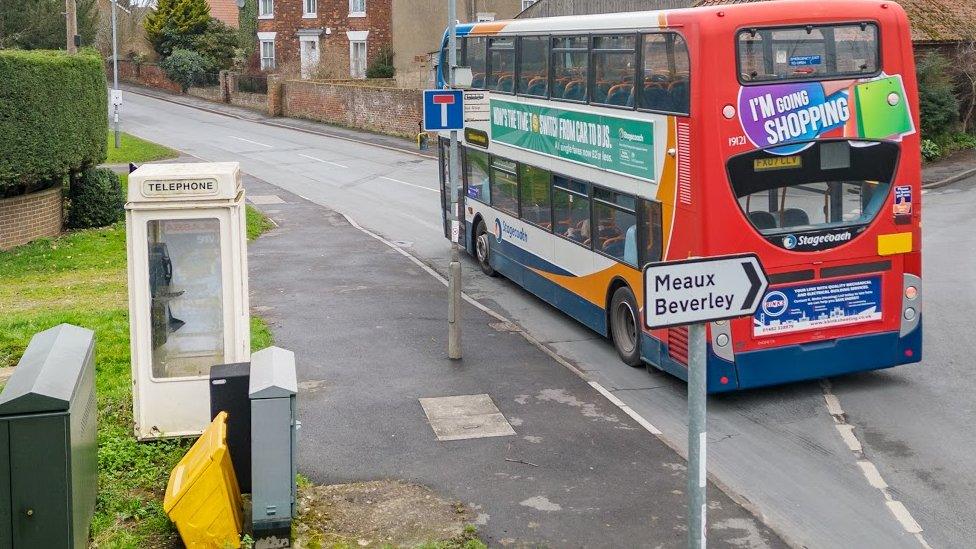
pixel 53 116
pixel 95 199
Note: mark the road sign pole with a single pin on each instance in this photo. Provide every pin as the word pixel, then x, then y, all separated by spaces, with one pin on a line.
pixel 454 273
pixel 697 479
pixel 115 70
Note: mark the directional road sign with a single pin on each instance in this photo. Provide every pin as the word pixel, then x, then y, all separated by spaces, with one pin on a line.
pixel 702 290
pixel 443 110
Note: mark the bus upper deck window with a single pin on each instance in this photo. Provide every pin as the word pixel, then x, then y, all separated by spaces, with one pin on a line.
pixel 664 81
pixel 808 52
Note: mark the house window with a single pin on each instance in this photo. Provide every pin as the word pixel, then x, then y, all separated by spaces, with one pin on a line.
pixel 357 59
pixel 267 50
pixel 484 17
pixel 265 9
pixel 309 8
pixel 526 4
pixel 357 8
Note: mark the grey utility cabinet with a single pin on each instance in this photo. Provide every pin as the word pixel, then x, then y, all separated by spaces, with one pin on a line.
pixel 272 390
pixel 48 417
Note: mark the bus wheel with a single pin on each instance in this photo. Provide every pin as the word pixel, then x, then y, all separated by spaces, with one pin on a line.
pixel 482 247
pixel 624 327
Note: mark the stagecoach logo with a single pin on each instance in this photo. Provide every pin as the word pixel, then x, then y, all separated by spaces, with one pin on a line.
pixel 627 136
pixel 789 242
pixel 775 303
pixel 502 228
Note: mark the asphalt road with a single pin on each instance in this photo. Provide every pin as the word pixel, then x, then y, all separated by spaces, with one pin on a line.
pixel 780 447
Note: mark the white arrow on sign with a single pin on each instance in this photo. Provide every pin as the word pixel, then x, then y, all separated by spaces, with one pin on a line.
pixel 702 290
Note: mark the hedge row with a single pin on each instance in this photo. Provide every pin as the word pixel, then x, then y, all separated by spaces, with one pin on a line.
pixel 53 116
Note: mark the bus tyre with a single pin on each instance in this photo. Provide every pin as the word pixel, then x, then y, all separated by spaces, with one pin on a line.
pixel 625 327
pixel 482 248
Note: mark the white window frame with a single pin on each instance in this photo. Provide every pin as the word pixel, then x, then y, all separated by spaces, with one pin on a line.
pixel 358 37
pixel 526 4
pixel 267 38
pixel 485 17
pixel 353 12
pixel 263 14
pixel 306 14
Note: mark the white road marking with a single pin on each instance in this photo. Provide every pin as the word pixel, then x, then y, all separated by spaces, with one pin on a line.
pixel 249 141
pixel 323 161
pixel 868 469
pixel 626 409
pixel 408 184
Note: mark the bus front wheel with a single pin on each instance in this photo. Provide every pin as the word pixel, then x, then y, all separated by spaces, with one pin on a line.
pixel 624 327
pixel 482 248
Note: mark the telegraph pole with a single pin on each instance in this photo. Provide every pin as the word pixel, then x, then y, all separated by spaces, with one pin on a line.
pixel 115 72
pixel 71 28
pixel 454 274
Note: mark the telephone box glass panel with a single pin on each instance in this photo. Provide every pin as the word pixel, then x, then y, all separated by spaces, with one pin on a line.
pixel 187 313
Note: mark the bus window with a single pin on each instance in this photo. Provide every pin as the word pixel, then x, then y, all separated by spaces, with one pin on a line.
pixel 615 219
pixel 571 210
pixel 501 64
pixel 569 68
pixel 533 73
pixel 665 82
pixel 614 64
pixel 831 184
pixel 504 185
pixel 651 236
pixel 476 175
pixel 474 57
pixel 808 52
pixel 534 187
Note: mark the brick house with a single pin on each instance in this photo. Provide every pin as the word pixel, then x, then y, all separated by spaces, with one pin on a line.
pixel 341 38
pixel 225 10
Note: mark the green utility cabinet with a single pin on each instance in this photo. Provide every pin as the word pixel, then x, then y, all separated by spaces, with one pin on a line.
pixel 48 448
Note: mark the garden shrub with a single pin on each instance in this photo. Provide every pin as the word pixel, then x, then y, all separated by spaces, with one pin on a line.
pixel 382 66
pixel 53 116
pixel 96 199
pixel 186 68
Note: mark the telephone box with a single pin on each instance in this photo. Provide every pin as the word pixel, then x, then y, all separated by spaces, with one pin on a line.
pixel 188 301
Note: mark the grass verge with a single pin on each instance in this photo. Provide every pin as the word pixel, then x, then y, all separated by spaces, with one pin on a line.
pixel 136 150
pixel 80 278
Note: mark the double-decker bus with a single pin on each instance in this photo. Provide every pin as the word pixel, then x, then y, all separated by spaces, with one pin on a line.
pixel 596 144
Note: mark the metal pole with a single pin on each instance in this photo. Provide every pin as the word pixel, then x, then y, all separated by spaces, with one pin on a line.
pixel 71 24
pixel 454 274
pixel 696 436
pixel 115 70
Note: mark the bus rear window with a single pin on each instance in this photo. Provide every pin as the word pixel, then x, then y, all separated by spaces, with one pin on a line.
pixel 808 52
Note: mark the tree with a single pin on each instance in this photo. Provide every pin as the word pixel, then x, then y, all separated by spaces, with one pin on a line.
pixel 938 106
pixel 175 23
pixel 964 70
pixel 186 68
pixel 40 24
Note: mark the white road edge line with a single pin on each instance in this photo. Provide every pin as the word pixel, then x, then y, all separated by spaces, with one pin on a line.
pixel 408 184
pixel 249 141
pixel 868 469
pixel 323 161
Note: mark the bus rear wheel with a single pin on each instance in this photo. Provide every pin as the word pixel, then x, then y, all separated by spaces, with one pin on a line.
pixel 624 326
pixel 482 248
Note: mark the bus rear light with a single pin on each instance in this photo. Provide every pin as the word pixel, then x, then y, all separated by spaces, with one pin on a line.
pixel 909 353
pixel 723 380
pixel 911 292
pixel 909 314
pixel 722 340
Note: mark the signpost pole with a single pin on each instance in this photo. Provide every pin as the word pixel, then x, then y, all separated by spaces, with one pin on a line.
pixel 454 274
pixel 697 395
pixel 115 71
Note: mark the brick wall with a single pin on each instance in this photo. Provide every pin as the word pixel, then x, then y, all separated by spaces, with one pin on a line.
pixel 29 217
pixel 332 15
pixel 387 110
pixel 146 74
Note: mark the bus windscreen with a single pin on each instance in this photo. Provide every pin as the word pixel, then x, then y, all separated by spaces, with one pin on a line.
pixel 811 52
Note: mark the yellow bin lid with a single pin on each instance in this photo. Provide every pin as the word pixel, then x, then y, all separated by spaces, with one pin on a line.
pixel 206 451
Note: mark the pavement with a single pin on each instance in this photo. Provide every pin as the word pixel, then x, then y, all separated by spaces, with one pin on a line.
pixel 780 448
pixel 957 167
pixel 368 328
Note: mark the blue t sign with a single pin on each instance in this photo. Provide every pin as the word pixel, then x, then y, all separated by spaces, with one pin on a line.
pixel 443 110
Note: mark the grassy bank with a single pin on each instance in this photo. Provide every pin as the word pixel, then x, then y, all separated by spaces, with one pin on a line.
pixel 136 150
pixel 80 278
